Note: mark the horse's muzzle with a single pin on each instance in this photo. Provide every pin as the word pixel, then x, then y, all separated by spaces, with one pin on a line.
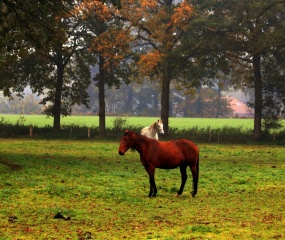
pixel 121 153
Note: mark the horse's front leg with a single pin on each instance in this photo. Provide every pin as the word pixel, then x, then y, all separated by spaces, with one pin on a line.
pixel 152 186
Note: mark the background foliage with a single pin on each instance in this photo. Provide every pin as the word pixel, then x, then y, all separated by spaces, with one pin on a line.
pixel 182 45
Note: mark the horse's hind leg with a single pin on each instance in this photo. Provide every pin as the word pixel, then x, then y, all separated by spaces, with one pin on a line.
pixel 183 171
pixel 195 175
pixel 153 189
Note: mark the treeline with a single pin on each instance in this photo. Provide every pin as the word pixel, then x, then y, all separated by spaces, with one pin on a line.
pixel 206 103
pixel 56 47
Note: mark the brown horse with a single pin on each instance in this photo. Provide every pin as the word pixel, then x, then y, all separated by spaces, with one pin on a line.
pixel 165 155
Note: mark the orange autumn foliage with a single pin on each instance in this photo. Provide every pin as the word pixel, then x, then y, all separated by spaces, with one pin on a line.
pixel 181 15
pixel 161 24
pixel 149 3
pixel 113 45
pixel 97 8
pixel 148 62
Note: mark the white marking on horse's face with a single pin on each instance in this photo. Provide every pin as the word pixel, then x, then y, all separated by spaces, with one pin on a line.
pixel 160 127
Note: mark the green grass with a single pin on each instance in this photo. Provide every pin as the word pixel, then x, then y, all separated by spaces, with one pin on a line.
pixel 93 121
pixel 100 195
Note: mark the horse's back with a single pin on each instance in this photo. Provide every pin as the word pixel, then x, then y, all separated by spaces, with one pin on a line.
pixel 143 131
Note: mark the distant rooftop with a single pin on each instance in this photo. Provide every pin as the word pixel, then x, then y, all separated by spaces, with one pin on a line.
pixel 239 108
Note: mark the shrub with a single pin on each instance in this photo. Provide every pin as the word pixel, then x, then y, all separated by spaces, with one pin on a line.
pixel 119 124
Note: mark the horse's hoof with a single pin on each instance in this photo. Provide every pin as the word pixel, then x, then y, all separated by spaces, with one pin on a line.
pixel 177 195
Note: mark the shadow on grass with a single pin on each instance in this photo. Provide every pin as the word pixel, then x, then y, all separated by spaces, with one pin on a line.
pixel 12 167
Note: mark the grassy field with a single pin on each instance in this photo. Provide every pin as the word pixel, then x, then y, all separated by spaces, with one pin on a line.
pixel 93 121
pixel 51 189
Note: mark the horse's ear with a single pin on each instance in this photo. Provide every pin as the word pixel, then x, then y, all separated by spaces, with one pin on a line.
pixel 129 133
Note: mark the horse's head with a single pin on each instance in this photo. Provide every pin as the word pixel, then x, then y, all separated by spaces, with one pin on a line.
pixel 159 124
pixel 126 142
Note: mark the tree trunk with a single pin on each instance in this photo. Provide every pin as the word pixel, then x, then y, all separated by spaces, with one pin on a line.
pixel 57 98
pixel 165 102
pixel 258 97
pixel 101 87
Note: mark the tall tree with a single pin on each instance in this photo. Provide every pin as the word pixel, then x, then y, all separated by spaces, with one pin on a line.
pixel 110 45
pixel 67 52
pixel 49 54
pixel 244 34
pixel 24 25
pixel 158 27
pixel 254 39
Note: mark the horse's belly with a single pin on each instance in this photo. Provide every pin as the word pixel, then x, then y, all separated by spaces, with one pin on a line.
pixel 168 166
pixel 171 160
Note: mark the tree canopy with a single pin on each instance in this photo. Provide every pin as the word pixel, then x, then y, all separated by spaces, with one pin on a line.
pixel 50 46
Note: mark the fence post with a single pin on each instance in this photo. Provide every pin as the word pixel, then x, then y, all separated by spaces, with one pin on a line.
pixel 210 137
pixel 31 131
pixel 88 132
pixel 218 138
pixel 274 136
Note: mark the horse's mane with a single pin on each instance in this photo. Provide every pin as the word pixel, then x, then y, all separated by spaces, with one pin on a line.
pixel 133 149
pixel 153 125
pixel 140 139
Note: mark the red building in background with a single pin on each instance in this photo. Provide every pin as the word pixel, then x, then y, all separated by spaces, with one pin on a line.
pixel 240 109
